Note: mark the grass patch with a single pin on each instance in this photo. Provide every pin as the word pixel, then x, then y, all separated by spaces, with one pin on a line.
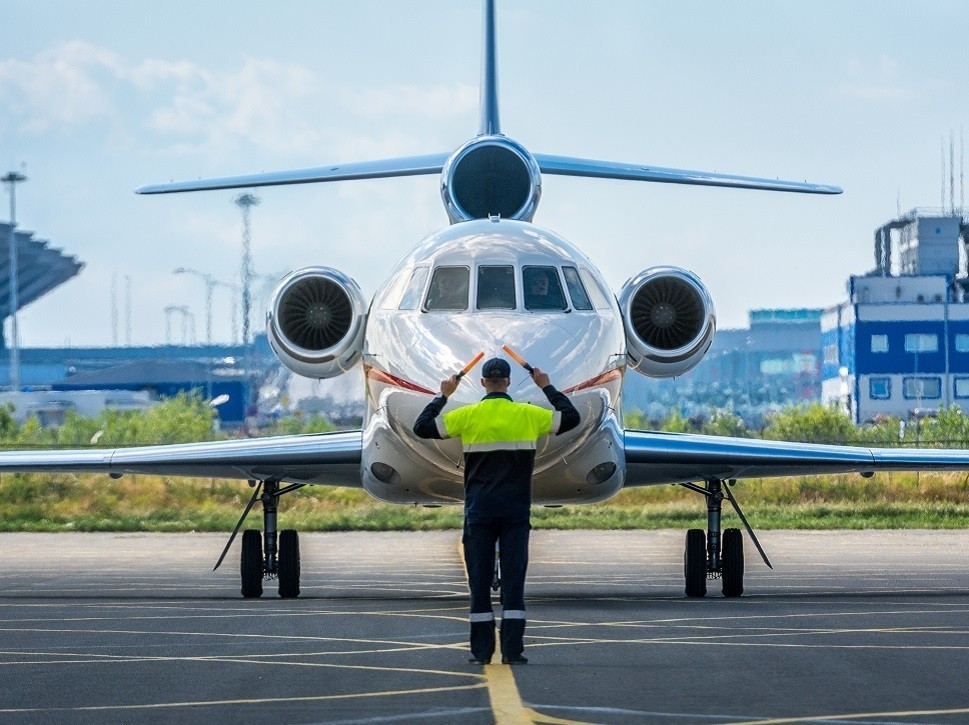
pixel 66 502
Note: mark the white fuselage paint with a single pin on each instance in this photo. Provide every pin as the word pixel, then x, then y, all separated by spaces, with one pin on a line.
pixel 583 351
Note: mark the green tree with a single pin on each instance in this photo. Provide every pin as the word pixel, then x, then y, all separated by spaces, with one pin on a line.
pixel 676 423
pixel 725 423
pixel 814 423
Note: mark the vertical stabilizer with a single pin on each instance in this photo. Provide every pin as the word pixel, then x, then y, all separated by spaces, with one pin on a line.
pixel 489 74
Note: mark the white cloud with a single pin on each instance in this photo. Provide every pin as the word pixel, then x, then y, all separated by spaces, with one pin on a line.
pixel 58 88
pixel 264 104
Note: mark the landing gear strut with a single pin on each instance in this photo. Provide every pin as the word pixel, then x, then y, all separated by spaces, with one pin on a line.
pixel 708 555
pixel 275 554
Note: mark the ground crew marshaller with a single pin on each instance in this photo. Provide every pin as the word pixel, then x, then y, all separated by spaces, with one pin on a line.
pixel 499 437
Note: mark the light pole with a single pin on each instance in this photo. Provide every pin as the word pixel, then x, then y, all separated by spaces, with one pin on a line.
pixel 246 202
pixel 13 178
pixel 210 284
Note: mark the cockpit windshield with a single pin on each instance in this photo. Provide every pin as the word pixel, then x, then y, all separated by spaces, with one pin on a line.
pixel 496 287
pixel 449 289
pixel 543 288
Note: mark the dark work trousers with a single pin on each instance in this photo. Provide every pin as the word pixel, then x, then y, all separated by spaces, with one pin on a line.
pixel 479 556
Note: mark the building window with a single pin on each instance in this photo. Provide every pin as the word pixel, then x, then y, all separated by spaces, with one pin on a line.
pixel 922 388
pixel 880 388
pixel 831 354
pixel 921 342
pixel 879 343
pixel 962 342
pixel 962 387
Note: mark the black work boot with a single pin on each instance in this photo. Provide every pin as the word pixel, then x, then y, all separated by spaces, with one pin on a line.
pixel 512 641
pixel 482 642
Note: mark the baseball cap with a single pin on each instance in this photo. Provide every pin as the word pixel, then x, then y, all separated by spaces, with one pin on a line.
pixel 496 368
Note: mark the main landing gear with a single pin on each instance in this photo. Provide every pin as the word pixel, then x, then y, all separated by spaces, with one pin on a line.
pixel 710 556
pixel 273 554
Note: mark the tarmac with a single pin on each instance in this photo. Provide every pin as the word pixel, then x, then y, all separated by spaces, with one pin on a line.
pixel 859 626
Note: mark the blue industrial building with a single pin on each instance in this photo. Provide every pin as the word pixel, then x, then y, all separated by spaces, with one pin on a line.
pixel 899 346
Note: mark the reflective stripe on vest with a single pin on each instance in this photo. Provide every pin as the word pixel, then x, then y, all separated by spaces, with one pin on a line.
pixel 498 424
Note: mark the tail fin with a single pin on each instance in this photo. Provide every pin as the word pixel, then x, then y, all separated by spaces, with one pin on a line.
pixel 489 75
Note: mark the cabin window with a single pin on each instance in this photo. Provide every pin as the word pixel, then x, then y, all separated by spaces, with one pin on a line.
pixel 412 297
pixel 543 289
pixel 599 298
pixel 962 342
pixel 449 289
pixel 496 288
pixel 879 343
pixel 580 300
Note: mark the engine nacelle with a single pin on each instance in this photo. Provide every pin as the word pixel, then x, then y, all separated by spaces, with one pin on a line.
pixel 491 176
pixel 669 320
pixel 315 322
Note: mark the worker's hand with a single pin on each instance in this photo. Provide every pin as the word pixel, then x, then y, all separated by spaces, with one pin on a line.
pixel 540 378
pixel 449 386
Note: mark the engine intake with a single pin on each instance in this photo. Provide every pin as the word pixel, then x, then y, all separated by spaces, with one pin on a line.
pixel 315 322
pixel 491 176
pixel 669 319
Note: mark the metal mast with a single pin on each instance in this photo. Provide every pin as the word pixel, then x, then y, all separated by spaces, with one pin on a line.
pixel 246 202
pixel 13 178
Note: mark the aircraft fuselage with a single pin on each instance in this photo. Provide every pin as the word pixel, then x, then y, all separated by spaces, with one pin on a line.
pixel 415 338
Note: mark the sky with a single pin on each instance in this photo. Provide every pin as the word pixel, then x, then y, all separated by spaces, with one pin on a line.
pixel 99 98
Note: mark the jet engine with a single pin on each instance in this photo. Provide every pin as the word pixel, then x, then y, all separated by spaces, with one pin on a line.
pixel 315 322
pixel 669 320
pixel 491 176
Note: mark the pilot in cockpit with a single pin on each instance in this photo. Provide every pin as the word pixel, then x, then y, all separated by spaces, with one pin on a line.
pixel 542 292
pixel 449 289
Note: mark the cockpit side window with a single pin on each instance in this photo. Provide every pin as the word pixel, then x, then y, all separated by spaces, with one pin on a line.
pixel 543 289
pixel 598 295
pixel 496 288
pixel 449 289
pixel 580 300
pixel 412 297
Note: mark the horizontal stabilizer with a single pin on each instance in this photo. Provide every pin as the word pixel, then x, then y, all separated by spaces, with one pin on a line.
pixel 407 166
pixel 570 166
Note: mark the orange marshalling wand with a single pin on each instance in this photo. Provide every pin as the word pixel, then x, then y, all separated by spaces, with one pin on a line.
pixel 467 368
pixel 517 358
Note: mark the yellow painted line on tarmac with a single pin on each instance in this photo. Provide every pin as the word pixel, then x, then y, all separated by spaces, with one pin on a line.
pixel 854 716
pixel 246 701
pixel 506 702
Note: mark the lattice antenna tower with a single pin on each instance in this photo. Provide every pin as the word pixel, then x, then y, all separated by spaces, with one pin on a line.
pixel 246 202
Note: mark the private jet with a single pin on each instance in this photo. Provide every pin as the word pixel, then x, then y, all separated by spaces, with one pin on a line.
pixel 490 278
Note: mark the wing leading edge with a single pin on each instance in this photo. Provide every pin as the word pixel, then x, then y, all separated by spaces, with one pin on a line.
pixel 570 166
pixel 654 458
pixel 325 458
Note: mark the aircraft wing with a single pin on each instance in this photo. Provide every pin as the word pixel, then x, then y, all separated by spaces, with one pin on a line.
pixel 655 458
pixel 322 458
pixel 405 166
pixel 570 166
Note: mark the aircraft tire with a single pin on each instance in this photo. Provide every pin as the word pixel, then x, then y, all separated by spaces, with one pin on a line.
pixel 695 563
pixel 288 563
pixel 733 563
pixel 252 565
